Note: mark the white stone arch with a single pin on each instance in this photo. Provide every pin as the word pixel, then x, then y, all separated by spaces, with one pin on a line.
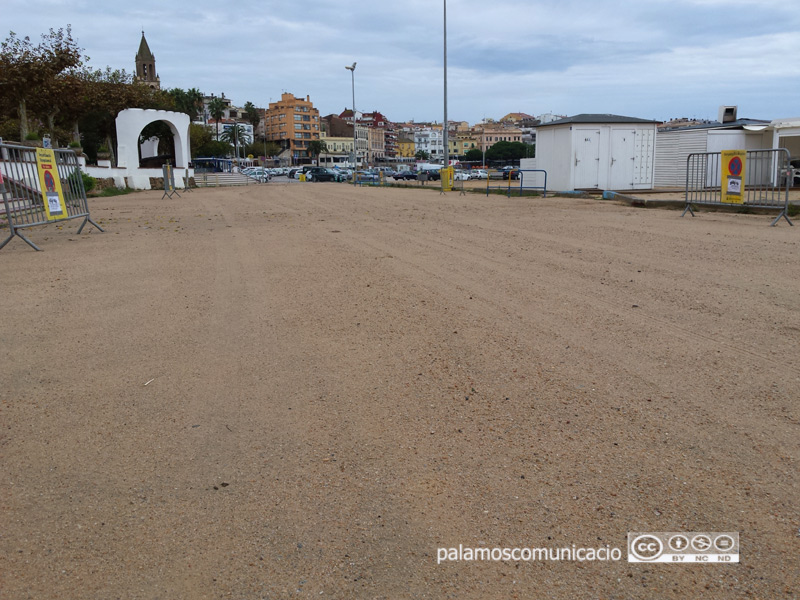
pixel 130 123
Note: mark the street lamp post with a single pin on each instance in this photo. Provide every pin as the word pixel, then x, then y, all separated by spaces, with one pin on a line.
pixel 352 70
pixel 446 141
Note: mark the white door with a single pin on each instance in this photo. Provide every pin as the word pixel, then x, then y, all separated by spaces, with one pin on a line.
pixel 623 150
pixel 587 158
pixel 644 153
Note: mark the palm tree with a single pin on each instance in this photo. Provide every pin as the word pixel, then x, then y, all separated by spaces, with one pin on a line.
pixel 216 108
pixel 235 135
pixel 252 114
pixel 194 99
pixel 317 147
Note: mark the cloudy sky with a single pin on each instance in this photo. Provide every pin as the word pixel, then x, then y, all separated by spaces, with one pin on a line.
pixel 656 59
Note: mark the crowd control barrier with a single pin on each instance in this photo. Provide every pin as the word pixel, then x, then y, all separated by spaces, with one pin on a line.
pixel 41 186
pixel 517 180
pixel 752 178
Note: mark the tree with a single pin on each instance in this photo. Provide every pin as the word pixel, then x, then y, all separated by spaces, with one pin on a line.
pixel 317 147
pixel 509 151
pixel 202 143
pixel 189 101
pixel 422 155
pixel 235 135
pixel 26 70
pixel 252 114
pixel 474 155
pixel 216 108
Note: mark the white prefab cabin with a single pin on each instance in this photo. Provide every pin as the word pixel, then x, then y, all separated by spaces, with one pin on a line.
pixel 590 151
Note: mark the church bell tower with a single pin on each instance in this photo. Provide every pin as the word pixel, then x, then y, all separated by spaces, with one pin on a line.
pixel 146 66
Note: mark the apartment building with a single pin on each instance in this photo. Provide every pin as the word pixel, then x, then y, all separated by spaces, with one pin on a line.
pixel 377 145
pixel 489 134
pixel 292 123
pixel 376 120
pixel 405 148
pixel 430 141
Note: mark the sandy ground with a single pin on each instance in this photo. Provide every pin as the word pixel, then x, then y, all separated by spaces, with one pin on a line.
pixel 307 390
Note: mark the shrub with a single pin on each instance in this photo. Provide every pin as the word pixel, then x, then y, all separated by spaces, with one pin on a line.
pixel 32 136
pixel 88 181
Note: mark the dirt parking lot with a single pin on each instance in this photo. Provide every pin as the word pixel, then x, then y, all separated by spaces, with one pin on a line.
pixel 297 391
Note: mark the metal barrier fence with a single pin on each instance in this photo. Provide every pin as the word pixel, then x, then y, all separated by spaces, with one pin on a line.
pixel 752 178
pixel 41 186
pixel 516 175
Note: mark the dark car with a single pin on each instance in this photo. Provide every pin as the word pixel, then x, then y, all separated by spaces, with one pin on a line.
pixel 319 174
pixel 508 173
pixel 405 175
pixel 337 174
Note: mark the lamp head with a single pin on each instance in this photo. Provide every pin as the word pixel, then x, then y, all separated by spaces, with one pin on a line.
pixel 353 68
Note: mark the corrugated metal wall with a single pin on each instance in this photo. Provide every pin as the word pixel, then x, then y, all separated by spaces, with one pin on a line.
pixel 672 150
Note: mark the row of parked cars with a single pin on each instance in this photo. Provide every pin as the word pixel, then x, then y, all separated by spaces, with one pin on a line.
pixel 313 173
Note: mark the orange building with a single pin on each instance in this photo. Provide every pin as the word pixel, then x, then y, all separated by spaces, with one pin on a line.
pixel 292 123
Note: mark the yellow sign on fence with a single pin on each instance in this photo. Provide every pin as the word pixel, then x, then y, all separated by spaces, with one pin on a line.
pixel 733 165
pixel 50 183
pixel 447 175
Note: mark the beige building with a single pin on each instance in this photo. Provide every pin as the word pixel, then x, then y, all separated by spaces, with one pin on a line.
pixel 292 123
pixel 487 136
pixel 461 142
pixel 376 138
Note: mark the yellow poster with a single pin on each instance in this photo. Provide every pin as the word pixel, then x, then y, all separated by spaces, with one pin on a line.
pixel 447 178
pixel 733 165
pixel 50 184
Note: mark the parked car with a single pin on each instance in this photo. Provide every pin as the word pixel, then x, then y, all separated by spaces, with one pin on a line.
pixel 338 174
pixel 478 174
pixel 319 174
pixel 505 173
pixel 405 175
pixel 367 176
pixel 461 176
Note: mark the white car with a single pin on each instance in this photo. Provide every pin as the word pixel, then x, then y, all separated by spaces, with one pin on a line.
pixel 461 176
pixel 478 174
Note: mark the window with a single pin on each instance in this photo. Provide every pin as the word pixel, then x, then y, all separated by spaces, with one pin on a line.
pixel 298 118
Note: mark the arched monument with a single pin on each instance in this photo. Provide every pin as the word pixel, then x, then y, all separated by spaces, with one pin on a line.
pixel 130 123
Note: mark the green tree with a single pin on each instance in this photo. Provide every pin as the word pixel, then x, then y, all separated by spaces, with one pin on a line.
pixel 474 155
pixel 216 108
pixel 235 135
pixel 187 101
pixel 422 155
pixel 26 70
pixel 252 114
pixel 509 151
pixel 315 148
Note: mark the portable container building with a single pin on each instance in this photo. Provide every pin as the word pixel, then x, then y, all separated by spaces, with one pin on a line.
pixel 591 151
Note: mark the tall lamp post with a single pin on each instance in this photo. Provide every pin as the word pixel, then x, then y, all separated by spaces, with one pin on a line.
pixel 446 141
pixel 352 70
